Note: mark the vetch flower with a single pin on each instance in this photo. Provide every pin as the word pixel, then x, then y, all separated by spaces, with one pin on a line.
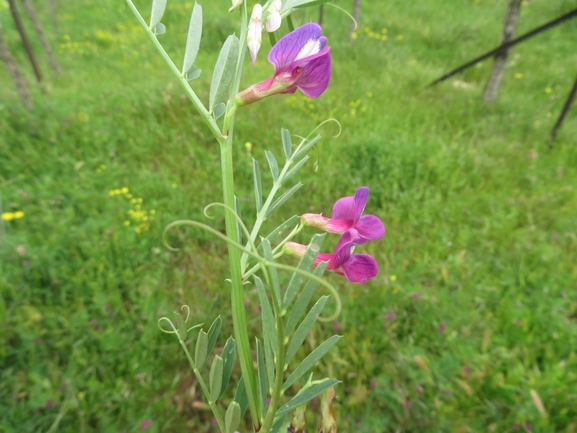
pixel 348 213
pixel 273 18
pixel 254 36
pixel 357 268
pixel 301 60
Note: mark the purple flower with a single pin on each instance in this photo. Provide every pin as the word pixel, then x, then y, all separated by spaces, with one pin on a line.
pixel 145 424
pixel 301 60
pixel 357 268
pixel 348 213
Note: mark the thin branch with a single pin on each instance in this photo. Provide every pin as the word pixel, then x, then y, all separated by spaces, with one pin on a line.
pixel 506 46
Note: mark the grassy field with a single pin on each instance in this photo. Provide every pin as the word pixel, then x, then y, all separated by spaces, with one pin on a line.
pixel 469 327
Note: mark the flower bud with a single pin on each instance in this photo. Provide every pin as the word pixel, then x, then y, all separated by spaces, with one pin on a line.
pixel 273 18
pixel 254 36
pixel 235 4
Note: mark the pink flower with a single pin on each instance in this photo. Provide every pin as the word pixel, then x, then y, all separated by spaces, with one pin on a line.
pixel 347 214
pixel 145 424
pixel 301 60
pixel 357 268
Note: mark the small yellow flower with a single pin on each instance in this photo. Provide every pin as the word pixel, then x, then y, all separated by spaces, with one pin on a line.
pixel 129 196
pixel 18 214
pixel 354 35
pixel 393 278
pixel 548 90
pixel 174 185
pixel 248 146
pixel 383 30
pixel 126 223
pixel 152 212
pixel 134 200
pixel 8 216
pixel 518 76
pixel 124 190
pixel 399 37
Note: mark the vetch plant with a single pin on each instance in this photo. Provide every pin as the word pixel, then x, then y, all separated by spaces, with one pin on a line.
pixel 271 387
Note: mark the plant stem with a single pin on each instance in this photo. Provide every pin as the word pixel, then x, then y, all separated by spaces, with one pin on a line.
pixel 238 309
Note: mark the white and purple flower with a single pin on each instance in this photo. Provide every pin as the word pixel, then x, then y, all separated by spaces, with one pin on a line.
pixel 301 60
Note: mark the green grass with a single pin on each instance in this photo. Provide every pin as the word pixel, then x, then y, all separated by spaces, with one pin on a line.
pixel 473 315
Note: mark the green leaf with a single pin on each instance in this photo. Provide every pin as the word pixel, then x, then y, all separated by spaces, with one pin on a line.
pixel 158 8
pixel 296 168
pixel 257 185
pixel 290 223
pixel 238 226
pixel 241 397
pixel 268 322
pixel 310 360
pixel 304 148
pixel 304 328
pixel 303 300
pixel 182 331
pixel 263 388
pixel 305 264
pixel 286 142
pixel 272 272
pixel 306 396
pixel 232 417
pixel 272 164
pixel 228 358
pixel 193 38
pixel 215 378
pixel 193 73
pixel 201 349
pixel 159 29
pixel 213 333
pixel 283 198
pixel 223 71
pixel 219 110
pixel 269 362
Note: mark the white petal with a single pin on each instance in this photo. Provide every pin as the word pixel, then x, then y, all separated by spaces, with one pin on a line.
pixel 312 46
pixel 273 22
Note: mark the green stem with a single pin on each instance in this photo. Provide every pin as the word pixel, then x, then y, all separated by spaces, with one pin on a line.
pixel 238 309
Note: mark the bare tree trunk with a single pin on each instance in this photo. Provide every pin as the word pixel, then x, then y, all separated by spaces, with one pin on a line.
pixel 52 7
pixel 356 15
pixel 14 72
pixel 32 15
pixel 511 19
pixel 25 40
pixel 564 111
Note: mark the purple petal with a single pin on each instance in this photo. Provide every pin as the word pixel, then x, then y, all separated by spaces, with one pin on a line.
pixel 324 257
pixel 343 249
pixel 370 228
pixel 316 76
pixel 360 268
pixel 339 226
pixel 287 48
pixel 344 209
pixel 352 207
